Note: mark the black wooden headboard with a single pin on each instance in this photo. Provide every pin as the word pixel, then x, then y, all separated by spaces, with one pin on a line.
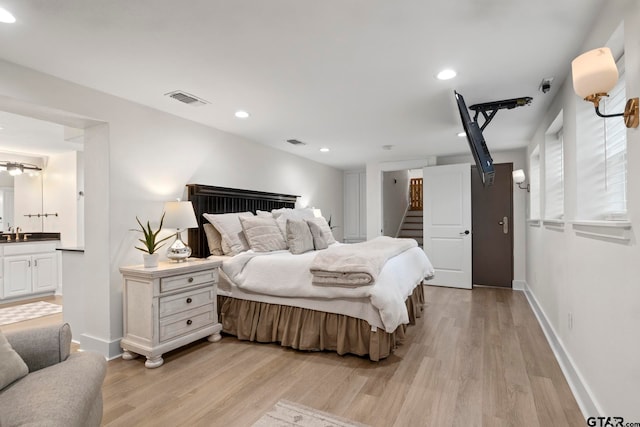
pixel 217 200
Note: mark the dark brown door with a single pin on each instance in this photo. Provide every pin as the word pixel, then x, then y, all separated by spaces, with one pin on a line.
pixel 492 222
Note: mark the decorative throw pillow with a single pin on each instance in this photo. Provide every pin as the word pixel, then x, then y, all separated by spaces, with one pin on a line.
pixel 299 236
pixel 214 239
pixel 297 213
pixel 229 227
pixel 283 214
pixel 12 367
pixel 324 226
pixel 319 239
pixel 264 213
pixel 263 234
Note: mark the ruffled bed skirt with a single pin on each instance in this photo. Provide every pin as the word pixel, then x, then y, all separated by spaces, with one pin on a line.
pixel 312 330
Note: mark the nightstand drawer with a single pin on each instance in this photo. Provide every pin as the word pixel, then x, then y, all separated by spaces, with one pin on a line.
pixel 173 304
pixel 187 280
pixel 183 323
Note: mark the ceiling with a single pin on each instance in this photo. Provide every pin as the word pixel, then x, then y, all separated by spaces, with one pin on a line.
pixel 350 75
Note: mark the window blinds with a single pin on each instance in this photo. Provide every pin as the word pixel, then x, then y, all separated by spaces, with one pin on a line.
pixel 554 176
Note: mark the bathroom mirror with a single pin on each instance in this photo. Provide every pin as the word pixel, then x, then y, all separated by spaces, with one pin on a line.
pixel 21 202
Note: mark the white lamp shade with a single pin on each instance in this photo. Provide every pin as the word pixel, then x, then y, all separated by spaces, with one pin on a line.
pixel 594 72
pixel 518 176
pixel 179 215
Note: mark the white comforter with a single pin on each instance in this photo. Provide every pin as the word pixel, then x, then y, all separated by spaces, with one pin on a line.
pixel 283 274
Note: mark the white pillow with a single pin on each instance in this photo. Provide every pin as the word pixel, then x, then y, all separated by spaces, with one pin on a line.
pixel 299 237
pixel 263 234
pixel 283 214
pixel 288 213
pixel 214 239
pixel 229 227
pixel 324 227
pixel 319 238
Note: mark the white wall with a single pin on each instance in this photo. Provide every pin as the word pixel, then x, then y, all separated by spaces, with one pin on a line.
pixel 140 158
pixel 59 187
pixel 518 158
pixel 80 198
pixel 395 199
pixel 594 279
pixel 27 201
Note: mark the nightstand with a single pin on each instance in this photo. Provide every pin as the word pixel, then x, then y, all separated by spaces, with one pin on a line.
pixel 168 306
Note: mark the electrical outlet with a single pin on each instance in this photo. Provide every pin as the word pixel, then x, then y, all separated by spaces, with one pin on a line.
pixel 570 320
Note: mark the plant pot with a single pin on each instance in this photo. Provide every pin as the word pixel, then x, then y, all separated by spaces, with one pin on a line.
pixel 150 260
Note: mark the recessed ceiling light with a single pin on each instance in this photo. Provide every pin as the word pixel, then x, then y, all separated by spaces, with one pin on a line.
pixel 6 16
pixel 446 74
pixel 462 134
pixel 242 114
pixel 324 150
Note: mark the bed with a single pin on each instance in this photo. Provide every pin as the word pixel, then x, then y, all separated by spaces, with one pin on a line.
pixel 269 297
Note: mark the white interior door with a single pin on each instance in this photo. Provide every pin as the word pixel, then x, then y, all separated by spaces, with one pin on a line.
pixel 447 223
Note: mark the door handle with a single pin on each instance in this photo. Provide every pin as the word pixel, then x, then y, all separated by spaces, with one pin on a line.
pixel 505 224
pixel 464 233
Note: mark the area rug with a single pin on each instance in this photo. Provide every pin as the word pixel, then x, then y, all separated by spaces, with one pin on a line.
pixel 285 414
pixel 32 310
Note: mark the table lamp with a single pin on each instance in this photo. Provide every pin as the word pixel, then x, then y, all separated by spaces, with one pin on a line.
pixel 179 215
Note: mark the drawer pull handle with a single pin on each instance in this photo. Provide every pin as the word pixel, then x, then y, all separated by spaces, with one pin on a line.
pixel 189 300
pixel 189 322
pixel 190 279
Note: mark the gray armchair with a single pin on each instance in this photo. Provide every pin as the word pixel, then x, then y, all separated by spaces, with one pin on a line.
pixel 61 389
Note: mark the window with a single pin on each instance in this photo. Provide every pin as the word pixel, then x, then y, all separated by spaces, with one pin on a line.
pixel 534 182
pixel 554 171
pixel 602 157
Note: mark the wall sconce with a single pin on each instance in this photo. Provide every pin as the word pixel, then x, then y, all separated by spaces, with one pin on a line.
pixel 518 178
pixel 15 169
pixel 594 75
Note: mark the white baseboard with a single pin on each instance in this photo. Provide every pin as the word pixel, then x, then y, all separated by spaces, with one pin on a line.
pixel 109 349
pixel 584 397
pixel 518 285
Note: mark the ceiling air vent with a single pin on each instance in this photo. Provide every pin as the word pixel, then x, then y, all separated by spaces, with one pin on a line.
pixel 187 98
pixel 296 142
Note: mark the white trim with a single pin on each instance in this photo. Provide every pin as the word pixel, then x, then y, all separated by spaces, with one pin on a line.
pixel 609 224
pixel 109 349
pixel 518 285
pixel 583 395
pixel 613 230
pixel 553 224
pixel 533 222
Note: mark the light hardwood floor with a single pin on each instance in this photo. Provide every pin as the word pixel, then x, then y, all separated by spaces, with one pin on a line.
pixel 476 358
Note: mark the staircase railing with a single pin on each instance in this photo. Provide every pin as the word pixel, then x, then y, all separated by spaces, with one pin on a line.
pixel 415 194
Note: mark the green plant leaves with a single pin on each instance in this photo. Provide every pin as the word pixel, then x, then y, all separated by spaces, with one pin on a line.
pixel 150 242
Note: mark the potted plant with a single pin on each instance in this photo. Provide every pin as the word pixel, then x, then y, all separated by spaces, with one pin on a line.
pixel 151 243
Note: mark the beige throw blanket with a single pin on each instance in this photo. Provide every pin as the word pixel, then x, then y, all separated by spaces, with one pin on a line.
pixel 356 264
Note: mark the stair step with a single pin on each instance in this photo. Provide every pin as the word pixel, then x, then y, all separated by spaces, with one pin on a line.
pixel 414 213
pixel 412 226
pixel 413 220
pixel 410 233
